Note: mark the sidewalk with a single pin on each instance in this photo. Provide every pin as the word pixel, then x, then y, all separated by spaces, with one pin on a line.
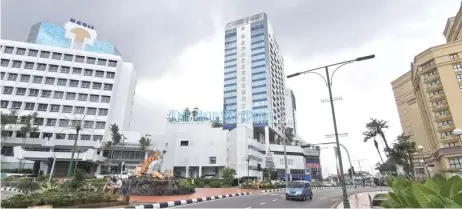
pixel 362 200
pixel 200 192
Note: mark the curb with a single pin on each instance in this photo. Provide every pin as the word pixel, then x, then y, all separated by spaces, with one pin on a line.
pixel 188 201
pixel 12 189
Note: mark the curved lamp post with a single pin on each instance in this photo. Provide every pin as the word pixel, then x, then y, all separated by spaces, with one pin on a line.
pixel 420 148
pixel 458 132
pixel 328 80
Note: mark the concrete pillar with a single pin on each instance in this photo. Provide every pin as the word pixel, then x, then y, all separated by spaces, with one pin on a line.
pixel 187 172
pixel 200 171
pixel 98 168
pixel 267 132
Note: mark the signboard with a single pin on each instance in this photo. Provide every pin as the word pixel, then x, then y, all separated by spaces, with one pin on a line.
pixel 307 174
pixel 313 165
pixel 289 161
pixel 72 20
pixel 293 162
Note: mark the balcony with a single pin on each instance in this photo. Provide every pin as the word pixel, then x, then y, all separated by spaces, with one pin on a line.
pixel 256 145
pixel 434 87
pixel 431 78
pixel 439 107
pixel 437 96
pixel 443 117
pixel 427 69
pixel 89 155
pixel 449 127
pixel 450 138
pixel 256 154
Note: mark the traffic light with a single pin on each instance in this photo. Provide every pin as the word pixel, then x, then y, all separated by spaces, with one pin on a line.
pixel 50 160
pixel 349 172
pixel 259 167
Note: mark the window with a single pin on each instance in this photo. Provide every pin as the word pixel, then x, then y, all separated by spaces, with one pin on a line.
pixel 83 97
pixel 453 56
pixel 12 76
pixel 46 93
pixel 55 108
pixel 38 122
pixel 68 57
pixel 50 81
pixel 79 59
pixel 33 92
pixel 58 95
pixel 85 84
pixel 9 50
pixel 88 72
pixel 184 143
pixel 74 83
pixel 108 87
pixel 65 69
pixel 242 66
pixel 97 85
pixel 102 112
pixel 17 64
pixel 105 99
pixel 85 137
pixel 56 56
pixel 97 137
pixel 37 79
pixel 32 53
pixel 455 162
pixel 20 51
pixel 88 124
pixel 29 106
pixel 102 62
pixel 91 111
pixel 94 98
pixel 445 123
pixel 79 110
pixel 2 75
pixel 77 71
pixel 213 160
pixel 7 90
pixel 457 67
pixel 29 65
pixel 16 105
pixel 99 74
pixel 452 144
pixel 35 135
pixel 70 96
pixel 63 123
pixel 446 133
pixel 53 68
pixel 67 109
pixel 100 125
pixel 5 62
pixel 91 60
pixel 20 91
pixel 4 104
pixel 41 66
pixel 60 136
pixel 110 75
pixel 44 54
pixel 62 82
pixel 42 107
pixel 459 77
pixel 51 122
pixel 112 63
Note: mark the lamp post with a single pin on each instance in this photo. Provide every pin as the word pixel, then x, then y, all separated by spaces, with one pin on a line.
pixel 247 158
pixel 420 148
pixel 458 132
pixel 328 81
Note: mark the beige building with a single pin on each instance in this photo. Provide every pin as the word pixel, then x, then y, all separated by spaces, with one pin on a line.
pixel 429 100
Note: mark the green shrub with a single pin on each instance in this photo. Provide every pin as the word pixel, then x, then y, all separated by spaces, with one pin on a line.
pixel 184 183
pixel 437 192
pixel 228 175
pixel 27 184
pixel 215 184
pixel 57 199
pixel 199 184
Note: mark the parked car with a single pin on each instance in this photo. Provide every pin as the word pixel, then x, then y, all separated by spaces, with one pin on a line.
pixel 299 190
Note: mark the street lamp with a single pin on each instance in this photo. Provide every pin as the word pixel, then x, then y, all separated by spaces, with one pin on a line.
pixel 420 148
pixel 328 81
pixel 458 132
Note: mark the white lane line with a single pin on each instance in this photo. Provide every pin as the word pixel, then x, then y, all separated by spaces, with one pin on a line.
pixel 248 208
pixel 322 198
pixel 282 195
pixel 262 203
pixel 274 194
pixel 275 200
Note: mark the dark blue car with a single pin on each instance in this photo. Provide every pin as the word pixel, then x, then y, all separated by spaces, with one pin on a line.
pixel 300 190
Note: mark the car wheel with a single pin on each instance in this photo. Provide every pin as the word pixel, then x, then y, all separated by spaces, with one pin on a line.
pixel 287 198
pixel 304 198
pixel 311 196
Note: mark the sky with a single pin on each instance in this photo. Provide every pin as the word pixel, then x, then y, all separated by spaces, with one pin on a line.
pixel 177 48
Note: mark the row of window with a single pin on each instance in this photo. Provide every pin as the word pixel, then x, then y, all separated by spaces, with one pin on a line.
pixel 44 135
pixel 57 81
pixel 65 123
pixel 57 94
pixel 455 162
pixel 60 56
pixel 41 107
pixel 56 68
pixel 448 122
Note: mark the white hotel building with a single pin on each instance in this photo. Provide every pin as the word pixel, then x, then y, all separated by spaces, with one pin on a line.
pixel 64 74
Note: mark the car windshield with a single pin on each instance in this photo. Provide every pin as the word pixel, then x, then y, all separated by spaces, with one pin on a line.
pixel 296 185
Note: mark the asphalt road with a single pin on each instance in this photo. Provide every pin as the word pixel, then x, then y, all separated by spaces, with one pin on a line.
pixel 321 199
pixel 6 194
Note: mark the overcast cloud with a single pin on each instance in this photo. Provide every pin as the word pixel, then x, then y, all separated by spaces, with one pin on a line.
pixel 177 50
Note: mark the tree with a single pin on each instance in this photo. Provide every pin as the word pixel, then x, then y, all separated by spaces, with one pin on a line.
pixel 78 127
pixel 371 134
pixel 186 115
pixel 145 142
pixel 216 123
pixel 402 152
pixel 270 167
pixel 116 139
pixel 289 135
pixel 377 127
pixel 228 175
pixel 26 129
pixel 195 113
pixel 8 120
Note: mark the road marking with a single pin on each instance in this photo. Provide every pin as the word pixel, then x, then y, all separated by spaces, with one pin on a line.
pixel 275 200
pixel 322 198
pixel 248 208
pixel 283 195
pixel 334 200
pixel 262 203
pixel 273 194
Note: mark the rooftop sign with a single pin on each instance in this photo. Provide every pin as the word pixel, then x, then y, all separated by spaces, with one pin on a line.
pixel 82 24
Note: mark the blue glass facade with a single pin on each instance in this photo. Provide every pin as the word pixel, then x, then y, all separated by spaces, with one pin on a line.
pixel 259 60
pixel 52 35
pixel 230 80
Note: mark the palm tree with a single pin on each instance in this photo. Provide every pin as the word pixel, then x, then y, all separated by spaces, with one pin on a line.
pixel 186 115
pixel 116 138
pixel 7 121
pixel 194 113
pixel 26 129
pixel 403 151
pixel 145 142
pixel 372 134
pixel 289 135
pixel 378 126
